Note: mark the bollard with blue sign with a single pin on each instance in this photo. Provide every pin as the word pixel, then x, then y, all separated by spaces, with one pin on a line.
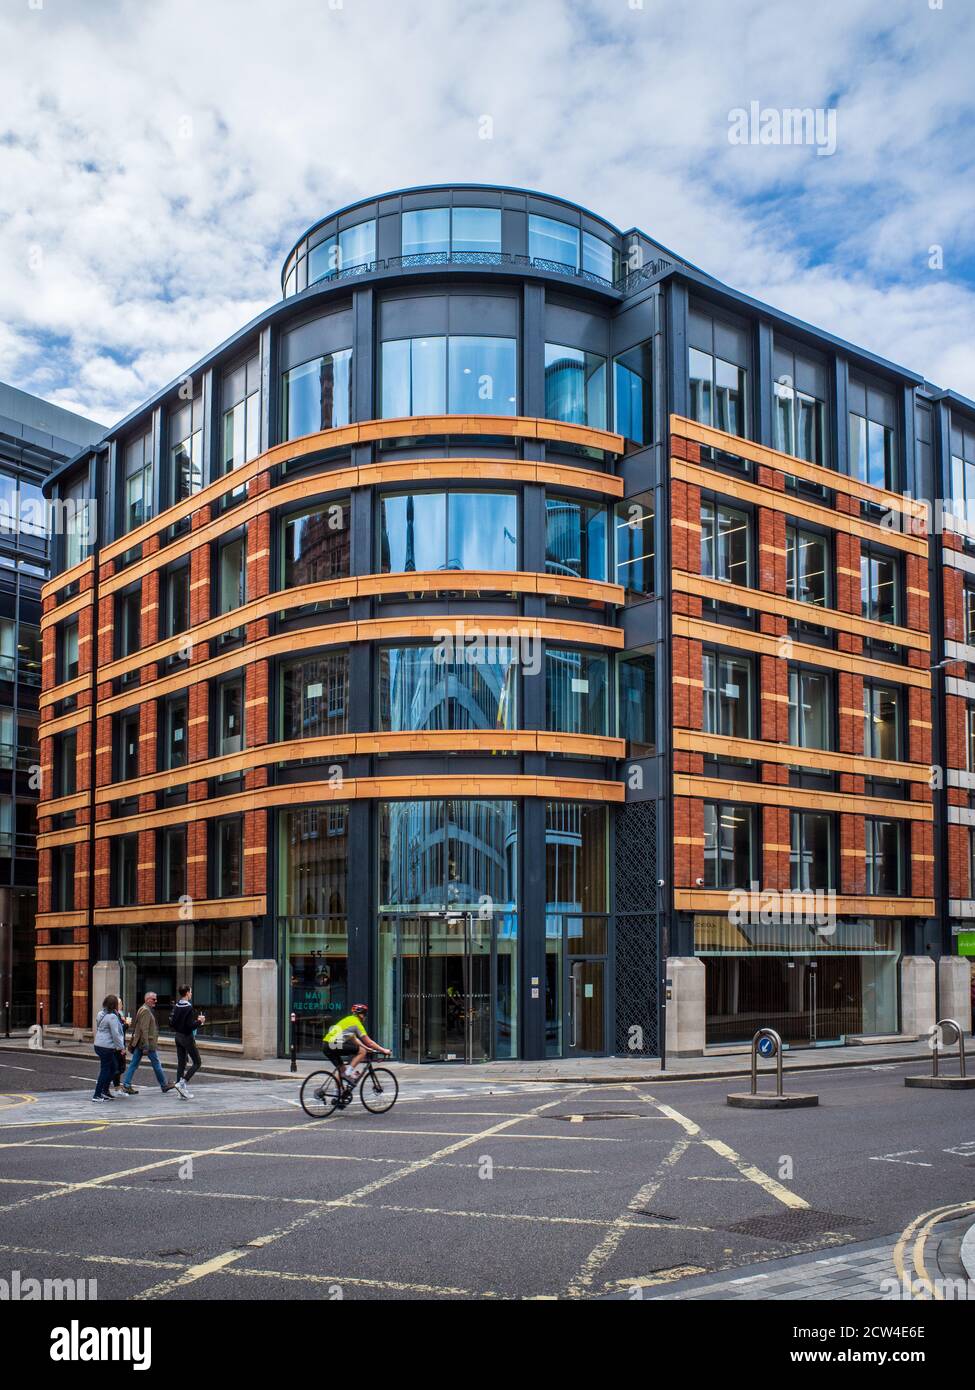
pixel 768 1043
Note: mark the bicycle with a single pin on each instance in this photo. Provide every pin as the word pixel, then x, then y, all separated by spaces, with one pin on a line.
pixel 323 1092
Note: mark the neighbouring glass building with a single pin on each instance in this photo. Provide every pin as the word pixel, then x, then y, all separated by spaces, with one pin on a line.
pixel 520 630
pixel 35 438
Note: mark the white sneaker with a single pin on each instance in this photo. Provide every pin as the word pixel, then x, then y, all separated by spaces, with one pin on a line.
pixel 180 1089
pixel 187 1093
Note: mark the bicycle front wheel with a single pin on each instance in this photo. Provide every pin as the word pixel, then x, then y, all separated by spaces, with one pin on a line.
pixel 320 1094
pixel 379 1090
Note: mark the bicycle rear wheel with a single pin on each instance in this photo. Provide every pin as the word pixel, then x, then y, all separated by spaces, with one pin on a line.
pixel 320 1094
pixel 378 1090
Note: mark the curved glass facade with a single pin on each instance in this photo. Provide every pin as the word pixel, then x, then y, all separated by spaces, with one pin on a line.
pixel 454 531
pixel 434 688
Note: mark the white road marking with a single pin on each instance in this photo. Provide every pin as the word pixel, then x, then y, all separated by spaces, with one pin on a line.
pixel 900 1156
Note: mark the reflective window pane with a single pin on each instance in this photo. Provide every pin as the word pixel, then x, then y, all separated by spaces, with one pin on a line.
pixel 315 696
pixel 357 245
pixel 424 688
pixel 724 543
pixel 317 395
pixel 482 378
pixel 316 545
pixel 426 231
pixel 599 257
pixel 701 369
pixel 728 699
pixel 576 857
pixel 413 532
pixel 575 386
pixel 807 566
pixel 811 856
pixel 637 704
pixel 482 531
pixel 575 538
pixel 729 849
pixel 810 712
pixel 576 692
pixel 551 240
pixel 631 394
pixel 476 229
pixel 635 547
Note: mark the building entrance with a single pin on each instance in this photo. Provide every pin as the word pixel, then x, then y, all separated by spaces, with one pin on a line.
pixel 447 984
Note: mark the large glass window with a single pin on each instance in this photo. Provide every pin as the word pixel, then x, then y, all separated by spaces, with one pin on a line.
pixel 631 394
pixel 242 414
pixel 811 855
pixel 552 240
pixel 729 845
pixel 872 452
pixel 138 482
pixel 128 623
pixel 429 688
pixel 810 708
pixel 457 854
pixel 717 392
pixel 355 246
pixel 575 538
pixel 227 856
pixel 313 862
pixel 885 857
pixel 76 513
pixel 461 375
pixel 576 857
pixel 126 742
pixel 210 956
pixel 467 231
pixel 457 530
pixel 315 696
pixel 725 549
pixel 728 699
pixel 807 566
pixel 635 545
pixel 175 600
pixel 231 575
pixel 317 395
pixel 882 736
pixel 124 870
pixel 970 738
pixel 599 258
pixel 67 654
pixel 172 861
pixel 575 386
pixel 879 586
pixel 576 692
pixel 229 717
pixel 186 448
pixel 637 704
pixel 316 544
pixel 174 746
pixel 799 422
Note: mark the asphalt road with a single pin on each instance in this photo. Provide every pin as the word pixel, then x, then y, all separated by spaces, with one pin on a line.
pixel 464 1190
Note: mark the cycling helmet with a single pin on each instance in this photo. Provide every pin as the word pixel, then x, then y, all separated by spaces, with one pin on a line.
pixel 359 1009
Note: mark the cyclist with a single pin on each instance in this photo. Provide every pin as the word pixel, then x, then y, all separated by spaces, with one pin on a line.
pixel 347 1040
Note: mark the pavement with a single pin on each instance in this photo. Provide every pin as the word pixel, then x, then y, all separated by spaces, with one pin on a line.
pixel 223 1061
pixel 468 1189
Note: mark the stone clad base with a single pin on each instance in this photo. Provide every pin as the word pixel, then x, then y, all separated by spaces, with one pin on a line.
pixel 942 1083
pixel 745 1100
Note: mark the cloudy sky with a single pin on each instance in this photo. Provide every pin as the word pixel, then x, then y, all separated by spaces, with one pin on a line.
pixel 158 157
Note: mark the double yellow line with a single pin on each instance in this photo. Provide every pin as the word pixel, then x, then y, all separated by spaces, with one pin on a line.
pixel 918 1231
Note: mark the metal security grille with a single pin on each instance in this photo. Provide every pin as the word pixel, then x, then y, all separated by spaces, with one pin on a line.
pixel 637 956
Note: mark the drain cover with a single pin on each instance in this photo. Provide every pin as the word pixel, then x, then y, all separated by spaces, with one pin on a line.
pixel 794 1225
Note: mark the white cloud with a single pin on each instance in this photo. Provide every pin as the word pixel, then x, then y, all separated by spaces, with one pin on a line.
pixel 157 160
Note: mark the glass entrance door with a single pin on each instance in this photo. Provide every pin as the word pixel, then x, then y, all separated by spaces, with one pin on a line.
pixel 446 986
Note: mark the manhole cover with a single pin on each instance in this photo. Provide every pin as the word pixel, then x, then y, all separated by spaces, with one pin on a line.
pixel 794 1225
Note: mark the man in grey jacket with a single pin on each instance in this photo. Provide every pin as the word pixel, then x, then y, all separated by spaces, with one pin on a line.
pixel 109 1042
pixel 144 1042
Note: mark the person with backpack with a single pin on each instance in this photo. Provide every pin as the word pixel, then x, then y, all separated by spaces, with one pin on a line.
pixel 143 1043
pixel 109 1041
pixel 184 1021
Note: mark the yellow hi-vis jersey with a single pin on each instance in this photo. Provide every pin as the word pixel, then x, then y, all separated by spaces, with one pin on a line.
pixel 349 1024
